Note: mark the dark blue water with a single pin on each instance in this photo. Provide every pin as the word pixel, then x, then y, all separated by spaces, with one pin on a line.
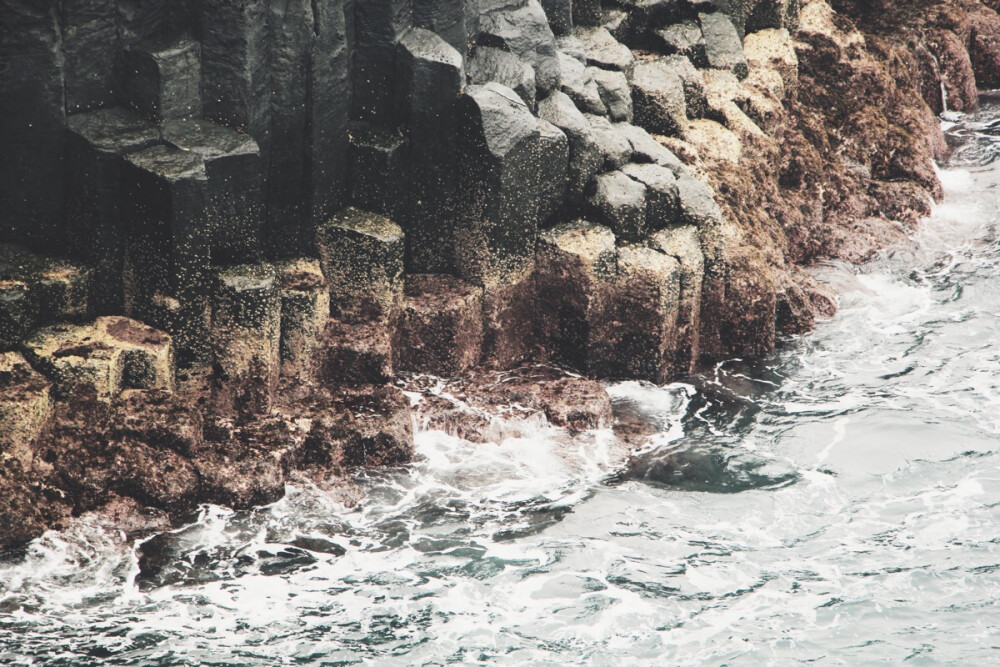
pixel 871 534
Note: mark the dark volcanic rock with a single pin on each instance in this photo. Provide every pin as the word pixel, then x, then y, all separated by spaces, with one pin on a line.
pixel 584 155
pixel 494 64
pixel 162 78
pixel 168 247
pixel 380 169
pixel 620 203
pixel 723 47
pixel 523 29
pixel 234 201
pixel 711 469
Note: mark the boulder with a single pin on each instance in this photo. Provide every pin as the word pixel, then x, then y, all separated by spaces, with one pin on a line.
pixel 661 193
pixel 523 29
pixel 430 76
pixel 102 358
pixel 659 98
pixel 684 39
pixel 697 202
pixel 446 18
pixel 615 148
pixel 694 84
pixel 494 64
pixel 584 156
pixel 646 149
pixel 580 87
pixel 604 51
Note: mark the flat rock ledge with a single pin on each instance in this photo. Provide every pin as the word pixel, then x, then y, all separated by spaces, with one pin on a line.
pixel 225 268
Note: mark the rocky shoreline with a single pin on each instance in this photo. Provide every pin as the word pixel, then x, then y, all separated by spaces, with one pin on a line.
pixel 238 238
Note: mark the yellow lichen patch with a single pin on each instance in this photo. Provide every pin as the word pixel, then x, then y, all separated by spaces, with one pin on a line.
pixel 774 50
pixel 713 141
pixel 102 357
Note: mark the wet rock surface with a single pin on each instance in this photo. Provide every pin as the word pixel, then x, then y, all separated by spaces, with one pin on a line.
pixel 228 227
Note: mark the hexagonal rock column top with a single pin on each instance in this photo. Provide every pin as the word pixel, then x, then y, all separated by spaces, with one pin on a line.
pixel 362 258
pixel 96 142
pixel 636 336
pixel 24 407
pixel 234 200
pixel 246 338
pixel 661 193
pixel 620 203
pixel 102 358
pixel 430 75
pixel 305 308
pixel 575 271
pixel 441 330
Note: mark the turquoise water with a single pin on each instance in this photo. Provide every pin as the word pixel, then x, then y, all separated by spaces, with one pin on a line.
pixel 867 529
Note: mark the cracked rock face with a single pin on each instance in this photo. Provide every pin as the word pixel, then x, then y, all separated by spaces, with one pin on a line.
pixel 227 227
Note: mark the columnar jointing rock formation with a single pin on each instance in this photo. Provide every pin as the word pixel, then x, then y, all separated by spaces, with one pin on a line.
pixel 227 225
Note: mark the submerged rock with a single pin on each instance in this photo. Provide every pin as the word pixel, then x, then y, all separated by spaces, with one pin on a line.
pixel 710 469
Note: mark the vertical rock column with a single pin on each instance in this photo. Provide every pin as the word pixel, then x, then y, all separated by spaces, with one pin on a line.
pixel 246 338
pixel 32 130
pixel 168 245
pixel 378 27
pixel 234 193
pixel 90 45
pixel 495 246
pixel 575 276
pixel 362 258
pixel 97 143
pixel 430 77
pixel 310 109
pixel 328 109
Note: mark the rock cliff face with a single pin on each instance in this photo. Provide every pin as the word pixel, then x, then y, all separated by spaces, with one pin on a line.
pixel 228 226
